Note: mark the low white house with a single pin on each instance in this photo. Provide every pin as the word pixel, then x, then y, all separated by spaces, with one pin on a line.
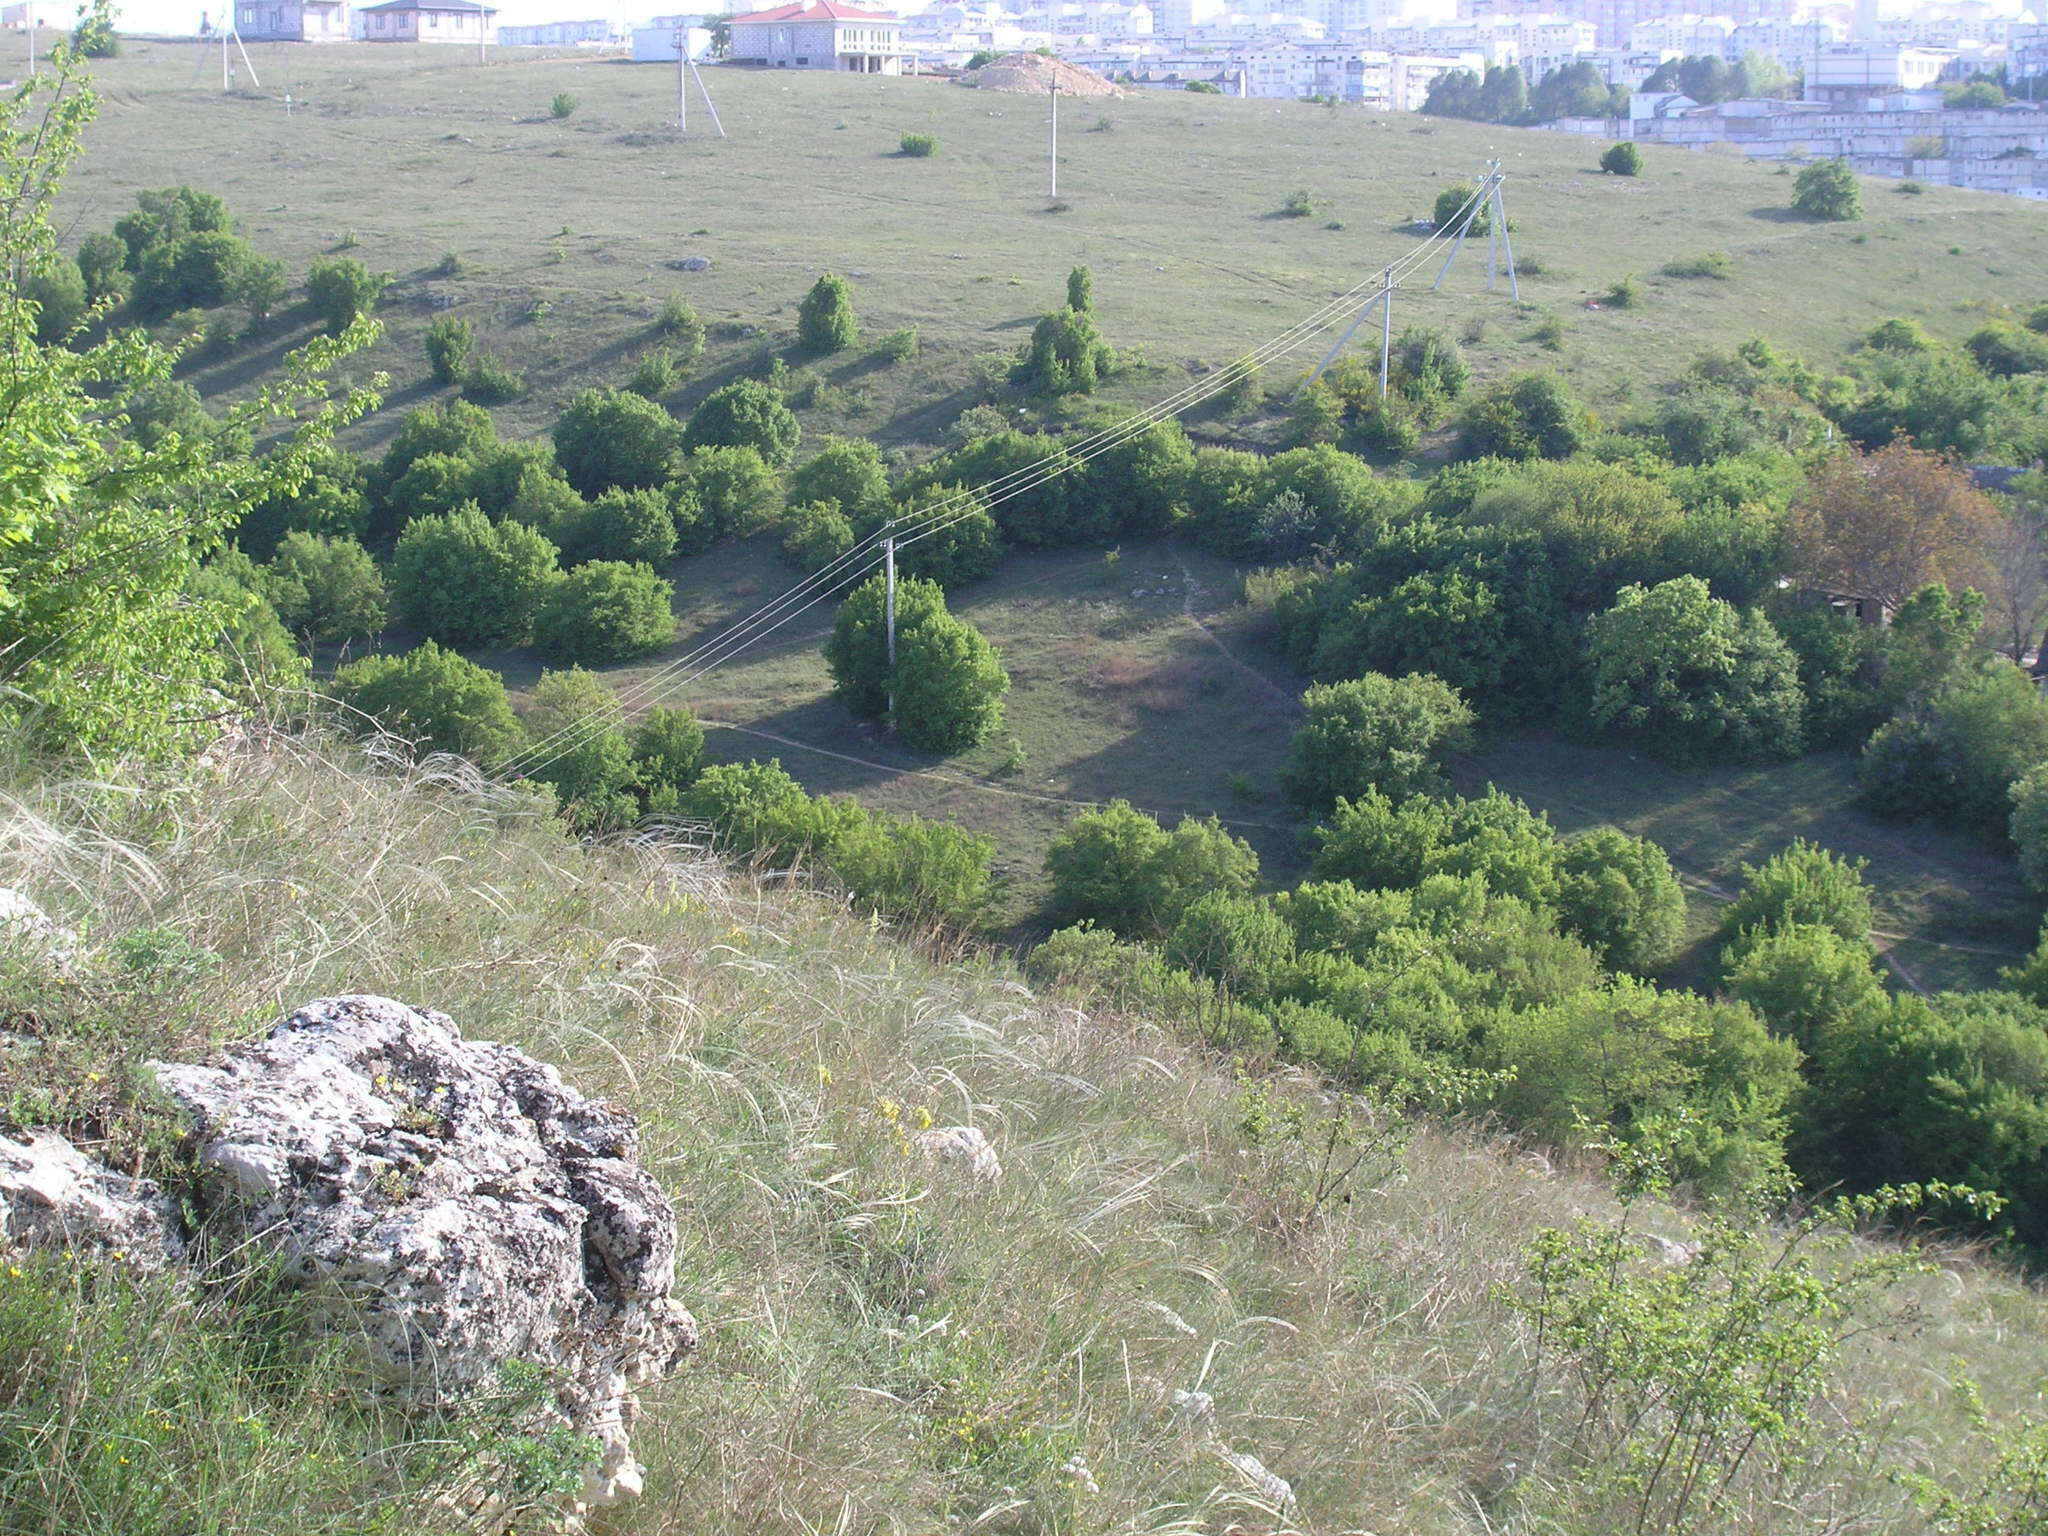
pixel 427 21
pixel 819 34
pixel 292 21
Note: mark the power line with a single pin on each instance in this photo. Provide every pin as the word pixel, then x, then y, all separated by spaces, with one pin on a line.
pixel 863 557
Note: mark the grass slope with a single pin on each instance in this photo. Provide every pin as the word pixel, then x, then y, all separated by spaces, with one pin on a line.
pixel 884 1352
pixel 1174 204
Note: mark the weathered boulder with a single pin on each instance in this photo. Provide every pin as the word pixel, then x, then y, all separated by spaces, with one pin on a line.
pixel 458 1204
pixel 963 1147
pixel 22 919
pixel 53 1196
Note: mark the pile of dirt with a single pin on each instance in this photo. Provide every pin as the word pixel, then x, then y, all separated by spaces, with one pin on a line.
pixel 1034 72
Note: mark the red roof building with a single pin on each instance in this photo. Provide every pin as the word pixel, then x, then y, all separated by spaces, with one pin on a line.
pixel 819 34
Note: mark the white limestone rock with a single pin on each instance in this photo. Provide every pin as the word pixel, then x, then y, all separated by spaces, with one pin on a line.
pixel 53 1196
pixel 458 1204
pixel 962 1146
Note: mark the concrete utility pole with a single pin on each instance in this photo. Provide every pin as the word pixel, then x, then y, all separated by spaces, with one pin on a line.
pixel 1053 158
pixel 682 77
pixel 1386 326
pixel 889 616
pixel 31 36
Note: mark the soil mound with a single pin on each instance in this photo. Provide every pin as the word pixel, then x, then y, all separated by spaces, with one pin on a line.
pixel 1034 72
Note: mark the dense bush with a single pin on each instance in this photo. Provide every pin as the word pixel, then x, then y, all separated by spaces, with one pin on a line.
pixel 605 611
pixel 947 680
pixel 953 538
pixel 327 588
pixel 610 437
pixel 848 473
pixel 668 755
pixel 825 321
pixel 1955 756
pixel 58 290
pixel 1622 159
pixel 341 289
pixel 196 271
pixel 448 344
pixel 325 496
pixel 634 526
pixel 814 535
pixel 1828 189
pixel 730 490
pixel 683 327
pixel 1619 896
pixel 579 748
pixel 1119 867
pixel 1692 678
pixel 467 581
pixel 436 698
pixel 918 146
pixel 1067 355
pixel 745 414
pixel 1525 416
pixel 1390 733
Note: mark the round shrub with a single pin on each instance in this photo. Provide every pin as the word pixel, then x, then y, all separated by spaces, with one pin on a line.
pixel 605 611
pixel 436 698
pixel 611 437
pixel 464 580
pixel 745 414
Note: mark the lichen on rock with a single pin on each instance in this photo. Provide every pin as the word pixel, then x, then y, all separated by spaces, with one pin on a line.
pixel 456 1204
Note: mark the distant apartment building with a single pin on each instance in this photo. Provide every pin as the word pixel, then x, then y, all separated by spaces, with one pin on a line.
pixel 1791 43
pixel 292 21
pixel 1614 19
pixel 819 34
pixel 1862 74
pixel 1686 36
pixel 560 34
pixel 426 21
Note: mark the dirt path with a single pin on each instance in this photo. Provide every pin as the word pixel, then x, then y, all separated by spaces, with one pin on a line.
pixel 959 781
pixel 1257 678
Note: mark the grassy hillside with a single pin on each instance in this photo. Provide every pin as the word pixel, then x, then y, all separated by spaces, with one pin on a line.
pixel 567 229
pixel 883 1351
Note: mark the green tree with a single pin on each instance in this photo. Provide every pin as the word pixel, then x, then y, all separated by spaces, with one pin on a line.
pixel 59 293
pixel 634 526
pixel 1807 981
pixel 745 414
pixel 1623 159
pixel 949 686
pixel 815 535
pixel 1704 1079
pixel 1806 886
pixel 1828 189
pixel 1453 204
pixel 2028 827
pixel 857 653
pixel 731 490
pixel 1315 416
pixel 1374 731
pixel 197 271
pixel 668 755
pixel 448 342
pixel 579 730
pixel 321 493
pixel 466 581
pixel 1081 291
pixel 101 259
pixel 259 286
pixel 105 648
pixel 1955 756
pixel 342 290
pixel 684 328
pixel 167 214
pixel 327 588
pixel 612 437
pixel 947 680
pixel 1237 941
pixel 1695 679
pixel 1618 894
pixel 1525 416
pixel 825 320
pixel 954 536
pixel 1068 355
pixel 847 472
pixel 1119 867
pixel 605 611
pixel 435 698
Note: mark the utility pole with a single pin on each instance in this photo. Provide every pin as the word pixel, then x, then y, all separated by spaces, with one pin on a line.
pixel 1053 156
pixel 889 616
pixel 31 36
pixel 682 66
pixel 1386 327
